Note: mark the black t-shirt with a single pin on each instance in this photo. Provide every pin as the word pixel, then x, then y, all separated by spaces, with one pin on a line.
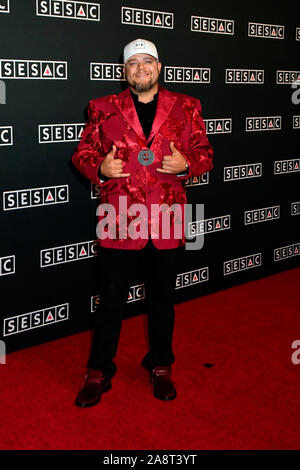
pixel 146 112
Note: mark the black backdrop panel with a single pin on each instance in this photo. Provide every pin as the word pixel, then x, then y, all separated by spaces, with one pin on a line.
pixel 57 55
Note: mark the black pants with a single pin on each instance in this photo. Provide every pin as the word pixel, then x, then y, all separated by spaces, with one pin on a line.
pixel 117 271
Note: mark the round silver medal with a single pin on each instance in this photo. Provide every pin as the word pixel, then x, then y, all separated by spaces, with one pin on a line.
pixel 146 157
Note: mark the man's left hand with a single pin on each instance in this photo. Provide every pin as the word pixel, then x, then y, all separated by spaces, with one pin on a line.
pixel 174 163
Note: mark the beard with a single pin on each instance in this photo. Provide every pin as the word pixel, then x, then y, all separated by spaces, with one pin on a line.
pixel 140 87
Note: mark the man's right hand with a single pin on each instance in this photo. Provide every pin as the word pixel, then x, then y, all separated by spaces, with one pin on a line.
pixel 113 167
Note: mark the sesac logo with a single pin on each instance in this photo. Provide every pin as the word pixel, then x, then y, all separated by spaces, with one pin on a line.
pixel 295 208
pixel 4 6
pixel 33 69
pixel 261 30
pixel 154 19
pixel 241 264
pixel 6 135
pixel 203 24
pixel 37 319
pixel 53 133
pixel 95 191
pixel 7 265
pixel 190 278
pixel 297 34
pixel 74 10
pixel 261 215
pixel 95 301
pixel 241 172
pixel 135 293
pixel 202 227
pixel 218 126
pixel 197 180
pixel 263 123
pixel 286 252
pixel 107 71
pixel 186 74
pixel 237 76
pixel 286 166
pixel 296 122
pixel 287 77
pixel 67 253
pixel 24 198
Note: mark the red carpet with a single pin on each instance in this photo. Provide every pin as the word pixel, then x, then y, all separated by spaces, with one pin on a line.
pixel 249 399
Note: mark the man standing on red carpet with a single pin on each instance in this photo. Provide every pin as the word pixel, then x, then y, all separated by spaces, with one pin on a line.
pixel 140 146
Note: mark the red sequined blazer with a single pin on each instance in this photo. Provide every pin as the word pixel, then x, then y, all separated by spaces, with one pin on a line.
pixel 113 120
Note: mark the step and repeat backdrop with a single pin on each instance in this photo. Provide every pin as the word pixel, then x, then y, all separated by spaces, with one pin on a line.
pixel 55 56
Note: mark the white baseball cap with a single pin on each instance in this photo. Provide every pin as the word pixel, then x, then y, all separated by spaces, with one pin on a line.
pixel 139 46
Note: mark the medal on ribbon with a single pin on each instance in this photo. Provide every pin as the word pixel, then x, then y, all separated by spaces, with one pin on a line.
pixel 146 157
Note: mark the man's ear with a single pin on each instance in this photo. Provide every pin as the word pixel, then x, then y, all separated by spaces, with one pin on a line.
pixel 159 65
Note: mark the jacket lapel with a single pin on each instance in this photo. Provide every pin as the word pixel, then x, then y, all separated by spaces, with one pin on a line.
pixel 125 105
pixel 165 103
